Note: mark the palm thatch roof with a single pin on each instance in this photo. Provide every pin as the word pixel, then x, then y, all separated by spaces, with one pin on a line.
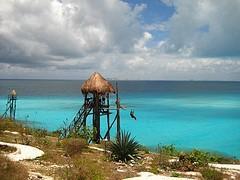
pixel 13 93
pixel 97 84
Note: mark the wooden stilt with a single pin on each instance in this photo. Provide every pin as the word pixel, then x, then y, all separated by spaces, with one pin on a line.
pixel 118 111
pixel 96 118
pixel 85 111
pixel 108 118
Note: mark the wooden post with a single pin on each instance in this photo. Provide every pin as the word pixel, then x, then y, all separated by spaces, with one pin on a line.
pixel 108 118
pixel 118 112
pixel 85 111
pixel 12 106
pixel 96 118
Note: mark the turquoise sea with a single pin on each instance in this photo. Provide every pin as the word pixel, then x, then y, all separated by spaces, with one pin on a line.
pixel 188 114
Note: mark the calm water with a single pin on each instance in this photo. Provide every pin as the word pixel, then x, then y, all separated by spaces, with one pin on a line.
pixel 204 115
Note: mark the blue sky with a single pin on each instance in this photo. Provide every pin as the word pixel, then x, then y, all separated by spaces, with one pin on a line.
pixel 156 11
pixel 122 39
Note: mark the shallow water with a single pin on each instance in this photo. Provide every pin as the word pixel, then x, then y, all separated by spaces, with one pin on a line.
pixel 204 115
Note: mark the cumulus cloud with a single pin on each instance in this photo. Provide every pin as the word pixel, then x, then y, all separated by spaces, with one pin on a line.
pixel 141 44
pixel 70 39
pixel 43 32
pixel 204 28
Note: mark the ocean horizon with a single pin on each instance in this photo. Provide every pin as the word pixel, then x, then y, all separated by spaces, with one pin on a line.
pixel 188 114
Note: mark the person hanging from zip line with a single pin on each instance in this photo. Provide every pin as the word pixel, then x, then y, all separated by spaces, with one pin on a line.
pixel 132 115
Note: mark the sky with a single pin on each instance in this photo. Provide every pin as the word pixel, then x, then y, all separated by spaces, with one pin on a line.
pixel 121 39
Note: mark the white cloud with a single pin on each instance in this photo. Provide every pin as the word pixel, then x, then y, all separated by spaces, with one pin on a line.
pixel 141 44
pixel 69 40
pixel 39 32
pixel 208 28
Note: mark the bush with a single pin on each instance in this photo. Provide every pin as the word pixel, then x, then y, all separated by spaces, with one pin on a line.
pixel 82 169
pixel 211 174
pixel 169 150
pixel 201 158
pixel 74 146
pixel 185 163
pixel 11 170
pixel 124 148
pixel 85 133
pixel 39 133
pixel 164 154
pixel 144 149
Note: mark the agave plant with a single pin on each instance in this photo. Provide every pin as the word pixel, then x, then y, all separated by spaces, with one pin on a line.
pixel 124 148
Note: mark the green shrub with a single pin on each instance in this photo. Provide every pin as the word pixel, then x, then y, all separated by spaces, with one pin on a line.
pixel 184 163
pixel 144 149
pixel 174 174
pixel 201 158
pixel 124 148
pixel 12 170
pixel 211 174
pixel 164 154
pixel 85 133
pixel 74 146
pixel 39 133
pixel 168 150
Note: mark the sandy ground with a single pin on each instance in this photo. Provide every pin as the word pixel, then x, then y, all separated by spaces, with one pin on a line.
pixel 226 166
pixel 151 176
pixel 23 152
pixel 28 152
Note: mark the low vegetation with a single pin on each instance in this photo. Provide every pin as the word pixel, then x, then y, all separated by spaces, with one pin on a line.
pixel 11 170
pixel 7 149
pixel 124 148
pixel 82 168
pixel 74 146
pixel 211 174
pixel 170 159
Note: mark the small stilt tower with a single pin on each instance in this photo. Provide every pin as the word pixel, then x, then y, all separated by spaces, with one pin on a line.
pixel 11 106
pixel 96 91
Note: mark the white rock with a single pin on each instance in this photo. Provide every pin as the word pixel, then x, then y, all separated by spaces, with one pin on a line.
pixel 226 166
pixel 23 152
pixel 122 170
pixel 11 132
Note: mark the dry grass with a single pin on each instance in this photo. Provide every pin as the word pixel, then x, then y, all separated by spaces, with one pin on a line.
pixel 211 174
pixel 11 170
pixel 7 149
pixel 7 124
pixel 74 146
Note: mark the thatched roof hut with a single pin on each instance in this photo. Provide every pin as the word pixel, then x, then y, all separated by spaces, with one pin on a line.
pixel 13 93
pixel 97 84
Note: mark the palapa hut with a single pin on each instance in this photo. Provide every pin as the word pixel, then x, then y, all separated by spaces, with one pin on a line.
pixel 11 105
pixel 96 84
pixel 96 92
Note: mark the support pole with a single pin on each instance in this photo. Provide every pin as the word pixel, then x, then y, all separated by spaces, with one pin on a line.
pixel 85 111
pixel 108 118
pixel 96 118
pixel 118 112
